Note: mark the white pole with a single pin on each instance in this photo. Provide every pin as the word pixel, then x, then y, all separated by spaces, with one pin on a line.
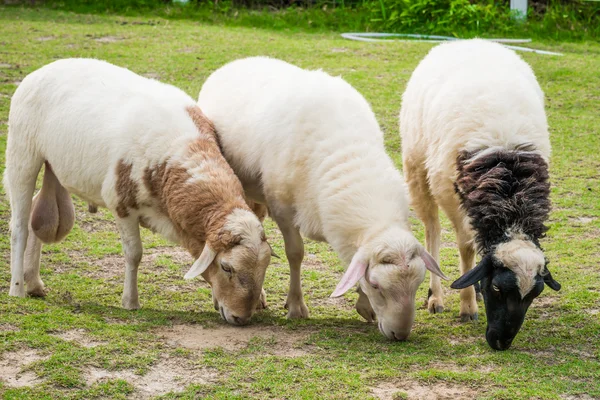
pixel 520 6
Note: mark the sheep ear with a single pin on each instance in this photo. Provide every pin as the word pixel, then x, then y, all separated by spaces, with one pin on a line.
pixel 548 280
pixel 482 269
pixel 431 264
pixel 201 264
pixel 356 270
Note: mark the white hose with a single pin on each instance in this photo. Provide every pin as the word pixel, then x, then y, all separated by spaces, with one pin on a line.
pixel 376 37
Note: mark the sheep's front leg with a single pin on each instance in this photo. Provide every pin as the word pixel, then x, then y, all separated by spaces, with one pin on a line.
pixel 294 250
pixel 363 306
pixel 468 299
pixel 132 248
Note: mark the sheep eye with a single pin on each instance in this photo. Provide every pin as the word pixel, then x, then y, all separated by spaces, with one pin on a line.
pixel 226 267
pixel 374 286
pixel 495 288
pixel 387 261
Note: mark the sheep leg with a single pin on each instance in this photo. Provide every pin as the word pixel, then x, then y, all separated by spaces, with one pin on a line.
pixel 427 210
pixel 468 299
pixel 20 184
pixel 294 250
pixel 262 301
pixel 363 306
pixel 33 251
pixel 132 248
pixel 433 233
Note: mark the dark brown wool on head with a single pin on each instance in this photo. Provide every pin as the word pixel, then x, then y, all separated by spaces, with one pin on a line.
pixel 502 191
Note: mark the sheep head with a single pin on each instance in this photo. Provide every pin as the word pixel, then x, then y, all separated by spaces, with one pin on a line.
pixel 390 269
pixel 511 277
pixel 236 270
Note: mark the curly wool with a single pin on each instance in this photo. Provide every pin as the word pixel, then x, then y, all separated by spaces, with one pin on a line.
pixel 504 191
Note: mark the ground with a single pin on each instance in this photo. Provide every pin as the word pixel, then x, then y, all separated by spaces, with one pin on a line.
pixel 78 343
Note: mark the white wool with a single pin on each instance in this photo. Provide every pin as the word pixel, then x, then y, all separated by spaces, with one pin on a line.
pixel 321 154
pixel 83 134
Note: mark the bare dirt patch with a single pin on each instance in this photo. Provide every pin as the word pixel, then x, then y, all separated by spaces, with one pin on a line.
pixel 80 337
pixel 4 65
pixel 152 75
pixel 277 341
pixel 12 365
pixel 167 375
pixel 312 262
pixel 108 39
pixel 8 328
pixel 582 220
pixel 45 38
pixel 418 391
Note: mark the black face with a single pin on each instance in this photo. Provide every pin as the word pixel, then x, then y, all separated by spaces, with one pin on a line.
pixel 504 307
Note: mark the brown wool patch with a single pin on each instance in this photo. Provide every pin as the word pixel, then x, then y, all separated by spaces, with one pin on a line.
pixel 127 189
pixel 203 124
pixel 215 194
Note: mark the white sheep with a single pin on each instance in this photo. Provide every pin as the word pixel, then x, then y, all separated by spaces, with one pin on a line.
pixel 144 150
pixel 308 145
pixel 475 143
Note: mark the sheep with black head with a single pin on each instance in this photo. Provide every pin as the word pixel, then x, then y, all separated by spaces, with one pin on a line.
pixel 475 143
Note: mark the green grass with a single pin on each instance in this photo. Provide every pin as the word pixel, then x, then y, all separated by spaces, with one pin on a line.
pixel 554 356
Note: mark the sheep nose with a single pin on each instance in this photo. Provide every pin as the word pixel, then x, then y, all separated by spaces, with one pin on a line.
pixel 240 320
pixel 400 335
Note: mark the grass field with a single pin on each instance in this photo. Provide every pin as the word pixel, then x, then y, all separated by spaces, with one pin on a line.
pixel 78 343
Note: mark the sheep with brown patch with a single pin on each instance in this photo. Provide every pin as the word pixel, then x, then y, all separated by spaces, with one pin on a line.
pixel 144 150
pixel 475 142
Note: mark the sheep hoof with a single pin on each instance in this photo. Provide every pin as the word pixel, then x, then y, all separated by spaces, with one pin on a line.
pixel 37 291
pixel 363 307
pixel 92 208
pixel 131 304
pixel 17 290
pixel 262 301
pixel 435 305
pixel 297 311
pixel 468 317
pixel 478 297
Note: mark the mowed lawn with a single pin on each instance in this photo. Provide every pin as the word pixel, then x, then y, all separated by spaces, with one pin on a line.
pixel 78 343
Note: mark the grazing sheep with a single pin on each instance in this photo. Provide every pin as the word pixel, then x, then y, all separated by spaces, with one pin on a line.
pixel 475 142
pixel 308 145
pixel 144 150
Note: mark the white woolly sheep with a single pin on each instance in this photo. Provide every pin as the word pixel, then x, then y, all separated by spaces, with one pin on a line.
pixel 308 145
pixel 144 150
pixel 475 142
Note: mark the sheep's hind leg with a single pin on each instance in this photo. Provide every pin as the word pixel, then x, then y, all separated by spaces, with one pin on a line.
pixel 33 251
pixel 132 247
pixel 294 250
pixel 20 184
